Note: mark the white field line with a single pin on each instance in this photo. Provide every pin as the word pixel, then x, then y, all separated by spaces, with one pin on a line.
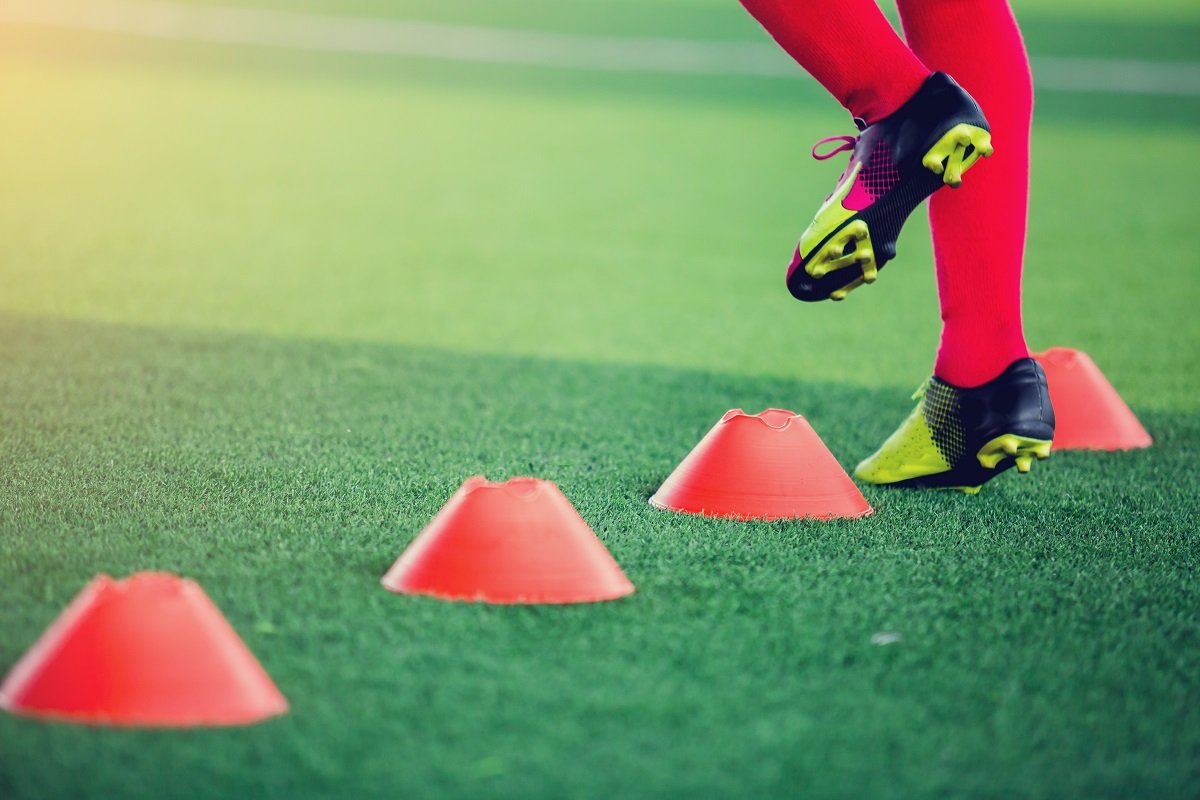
pixel 347 34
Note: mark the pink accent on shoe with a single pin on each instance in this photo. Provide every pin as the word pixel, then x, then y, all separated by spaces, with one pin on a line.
pixel 874 180
pixel 858 198
pixel 844 143
pixel 796 261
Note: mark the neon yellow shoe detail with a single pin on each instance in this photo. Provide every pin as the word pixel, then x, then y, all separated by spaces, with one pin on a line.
pixel 1021 449
pixel 895 163
pixel 908 453
pixel 828 229
pixel 960 438
pixel 957 152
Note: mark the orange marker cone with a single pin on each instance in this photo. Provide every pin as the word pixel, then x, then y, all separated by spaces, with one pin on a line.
pixel 1089 414
pixel 763 466
pixel 520 541
pixel 151 650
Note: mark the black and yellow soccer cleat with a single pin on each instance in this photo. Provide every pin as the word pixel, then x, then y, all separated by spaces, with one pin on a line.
pixel 962 438
pixel 896 163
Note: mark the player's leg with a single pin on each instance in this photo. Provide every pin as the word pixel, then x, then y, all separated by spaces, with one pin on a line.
pixel 987 407
pixel 849 47
pixel 979 232
pixel 918 132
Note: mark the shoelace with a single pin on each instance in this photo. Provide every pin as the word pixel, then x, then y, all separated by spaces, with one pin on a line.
pixel 847 143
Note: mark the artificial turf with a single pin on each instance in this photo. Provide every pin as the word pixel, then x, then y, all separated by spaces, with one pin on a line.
pixel 262 312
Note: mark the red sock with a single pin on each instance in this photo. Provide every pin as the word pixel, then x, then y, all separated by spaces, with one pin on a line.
pixel 979 229
pixel 849 47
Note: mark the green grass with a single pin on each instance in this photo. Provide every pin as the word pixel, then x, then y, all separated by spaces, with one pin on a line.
pixel 1049 635
pixel 261 313
pixel 1150 28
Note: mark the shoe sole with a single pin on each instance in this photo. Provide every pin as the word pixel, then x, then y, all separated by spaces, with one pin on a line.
pixel 996 456
pixel 1023 451
pixel 854 252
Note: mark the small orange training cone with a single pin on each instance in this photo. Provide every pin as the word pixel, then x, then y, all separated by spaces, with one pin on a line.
pixel 151 650
pixel 1088 412
pixel 520 541
pixel 763 466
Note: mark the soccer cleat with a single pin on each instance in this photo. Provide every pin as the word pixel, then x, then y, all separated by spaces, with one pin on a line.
pixel 929 142
pixel 962 438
